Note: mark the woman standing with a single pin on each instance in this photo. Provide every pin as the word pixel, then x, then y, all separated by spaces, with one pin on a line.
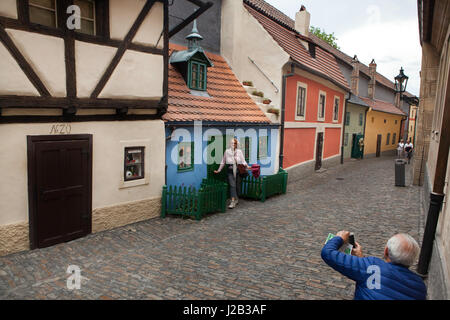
pixel 231 158
pixel 400 149
pixel 409 149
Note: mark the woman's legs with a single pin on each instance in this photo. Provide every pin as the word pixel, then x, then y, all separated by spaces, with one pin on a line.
pixel 232 184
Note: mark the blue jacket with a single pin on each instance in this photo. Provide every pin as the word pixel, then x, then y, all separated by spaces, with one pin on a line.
pixel 375 278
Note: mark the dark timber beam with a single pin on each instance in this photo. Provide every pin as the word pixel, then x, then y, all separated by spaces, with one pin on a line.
pixel 202 8
pixel 84 103
pixel 123 47
pixel 24 65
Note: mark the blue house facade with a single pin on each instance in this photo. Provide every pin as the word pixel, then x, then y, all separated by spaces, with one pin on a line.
pixel 208 107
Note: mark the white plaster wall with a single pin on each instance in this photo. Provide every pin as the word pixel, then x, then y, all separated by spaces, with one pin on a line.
pixel 138 75
pixel 46 56
pixel 12 79
pixel 124 13
pixel 108 155
pixel 243 36
pixel 8 8
pixel 91 63
pixel 150 31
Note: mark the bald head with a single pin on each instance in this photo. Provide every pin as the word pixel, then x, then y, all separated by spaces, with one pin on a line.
pixel 402 249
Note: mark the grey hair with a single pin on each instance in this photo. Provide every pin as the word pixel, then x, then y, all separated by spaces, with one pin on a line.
pixel 403 249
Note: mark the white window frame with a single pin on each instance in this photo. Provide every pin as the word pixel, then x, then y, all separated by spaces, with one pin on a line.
pixel 339 107
pixel 305 86
pixel 324 106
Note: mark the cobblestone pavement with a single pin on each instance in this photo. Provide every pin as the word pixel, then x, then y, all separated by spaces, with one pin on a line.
pixel 259 250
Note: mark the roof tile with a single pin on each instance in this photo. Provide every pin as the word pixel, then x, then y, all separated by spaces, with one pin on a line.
pixel 324 63
pixel 228 101
pixel 382 106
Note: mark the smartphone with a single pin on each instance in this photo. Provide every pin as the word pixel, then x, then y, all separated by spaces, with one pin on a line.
pixel 351 239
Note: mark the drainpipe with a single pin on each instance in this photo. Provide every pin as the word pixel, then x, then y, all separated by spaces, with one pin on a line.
pixel 283 108
pixel 437 196
pixel 364 131
pixel 344 115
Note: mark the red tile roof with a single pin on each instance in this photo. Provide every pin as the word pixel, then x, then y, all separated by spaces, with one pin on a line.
pixel 383 106
pixel 324 64
pixel 228 101
pixel 279 16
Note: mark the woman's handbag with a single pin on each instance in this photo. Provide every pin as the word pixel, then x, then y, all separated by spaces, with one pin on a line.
pixel 242 170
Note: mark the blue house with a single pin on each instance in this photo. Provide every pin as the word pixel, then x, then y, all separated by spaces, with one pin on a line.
pixel 208 107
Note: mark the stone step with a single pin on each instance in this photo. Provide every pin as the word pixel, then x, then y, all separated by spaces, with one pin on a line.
pixel 257 99
pixel 273 117
pixel 265 107
pixel 250 89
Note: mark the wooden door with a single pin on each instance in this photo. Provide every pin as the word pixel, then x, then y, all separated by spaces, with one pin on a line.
pixel 378 145
pixel 319 148
pixel 60 188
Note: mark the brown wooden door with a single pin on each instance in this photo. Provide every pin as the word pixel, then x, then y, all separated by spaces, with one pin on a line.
pixel 319 149
pixel 61 190
pixel 378 145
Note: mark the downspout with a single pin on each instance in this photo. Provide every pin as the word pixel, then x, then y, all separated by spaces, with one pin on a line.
pixel 364 131
pixel 344 116
pixel 437 196
pixel 283 111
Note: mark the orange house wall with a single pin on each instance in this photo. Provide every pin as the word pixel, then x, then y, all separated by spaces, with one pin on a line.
pixel 332 142
pixel 299 143
pixel 299 146
pixel 312 100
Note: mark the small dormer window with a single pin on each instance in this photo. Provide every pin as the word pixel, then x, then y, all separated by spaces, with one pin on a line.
pixel 193 63
pixel 197 76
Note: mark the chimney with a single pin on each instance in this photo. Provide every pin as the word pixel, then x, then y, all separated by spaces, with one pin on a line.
pixel 372 81
pixel 302 20
pixel 355 76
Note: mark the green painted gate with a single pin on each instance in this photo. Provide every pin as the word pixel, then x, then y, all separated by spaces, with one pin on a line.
pixel 357 151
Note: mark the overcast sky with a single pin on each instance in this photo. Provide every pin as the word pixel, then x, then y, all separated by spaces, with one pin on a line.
pixel 384 30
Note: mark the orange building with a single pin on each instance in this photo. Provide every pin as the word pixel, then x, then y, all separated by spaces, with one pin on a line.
pixel 383 127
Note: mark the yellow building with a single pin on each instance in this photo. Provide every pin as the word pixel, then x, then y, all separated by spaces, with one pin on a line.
pixel 383 124
pixel 412 124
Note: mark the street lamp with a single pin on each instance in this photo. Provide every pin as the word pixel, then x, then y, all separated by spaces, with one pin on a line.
pixel 401 81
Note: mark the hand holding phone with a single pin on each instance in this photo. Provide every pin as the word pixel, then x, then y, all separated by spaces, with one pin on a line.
pixel 351 239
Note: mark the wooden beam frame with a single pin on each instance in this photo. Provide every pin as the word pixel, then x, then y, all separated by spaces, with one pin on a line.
pixel 71 102
pixel 123 47
pixel 24 65
pixel 202 8
pixel 20 102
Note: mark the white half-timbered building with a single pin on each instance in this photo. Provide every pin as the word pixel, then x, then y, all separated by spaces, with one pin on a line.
pixel 81 136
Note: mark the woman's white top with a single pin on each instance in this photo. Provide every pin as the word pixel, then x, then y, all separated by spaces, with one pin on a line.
pixel 401 146
pixel 409 145
pixel 232 156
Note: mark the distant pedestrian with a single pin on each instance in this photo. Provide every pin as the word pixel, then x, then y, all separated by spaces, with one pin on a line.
pixel 401 149
pixel 232 158
pixel 409 150
pixel 377 279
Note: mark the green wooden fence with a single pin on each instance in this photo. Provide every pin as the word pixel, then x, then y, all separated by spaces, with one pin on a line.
pixel 264 187
pixel 211 197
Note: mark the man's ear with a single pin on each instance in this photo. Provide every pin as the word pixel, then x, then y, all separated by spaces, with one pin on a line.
pixel 386 252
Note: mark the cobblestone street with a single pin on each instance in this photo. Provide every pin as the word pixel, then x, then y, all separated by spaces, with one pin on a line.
pixel 258 250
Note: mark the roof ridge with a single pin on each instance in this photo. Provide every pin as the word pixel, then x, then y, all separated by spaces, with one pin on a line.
pixel 258 6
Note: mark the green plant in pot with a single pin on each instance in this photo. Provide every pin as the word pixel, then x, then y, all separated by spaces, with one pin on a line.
pixel 258 94
pixel 247 83
pixel 267 101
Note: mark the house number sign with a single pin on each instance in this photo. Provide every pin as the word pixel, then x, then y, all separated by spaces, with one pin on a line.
pixel 63 128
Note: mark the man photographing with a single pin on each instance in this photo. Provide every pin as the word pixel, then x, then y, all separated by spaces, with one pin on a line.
pixel 377 279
